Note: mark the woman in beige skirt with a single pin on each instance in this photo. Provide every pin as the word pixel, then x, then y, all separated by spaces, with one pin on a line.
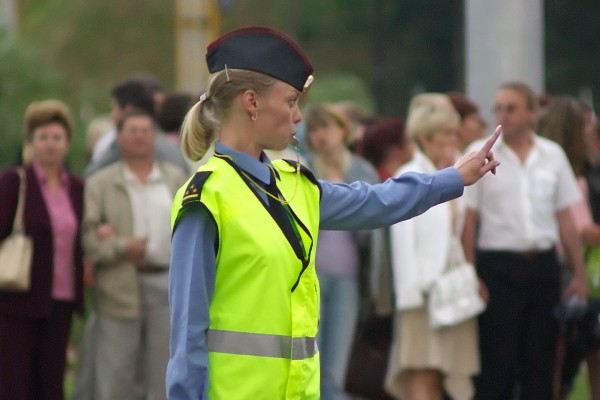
pixel 424 361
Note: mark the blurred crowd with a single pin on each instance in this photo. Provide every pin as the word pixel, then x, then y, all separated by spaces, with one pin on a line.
pixel 532 233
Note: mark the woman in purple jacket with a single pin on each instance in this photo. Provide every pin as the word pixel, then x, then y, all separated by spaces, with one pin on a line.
pixel 35 324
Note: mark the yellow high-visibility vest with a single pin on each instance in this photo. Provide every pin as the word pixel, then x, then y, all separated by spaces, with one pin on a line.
pixel 265 308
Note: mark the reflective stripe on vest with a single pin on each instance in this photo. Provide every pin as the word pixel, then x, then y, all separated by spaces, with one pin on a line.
pixel 261 345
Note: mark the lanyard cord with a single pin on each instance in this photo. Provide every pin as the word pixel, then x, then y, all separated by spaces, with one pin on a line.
pixel 303 255
pixel 285 202
pixel 259 187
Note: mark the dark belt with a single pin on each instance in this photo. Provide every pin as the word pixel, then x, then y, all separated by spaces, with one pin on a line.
pixel 527 256
pixel 152 269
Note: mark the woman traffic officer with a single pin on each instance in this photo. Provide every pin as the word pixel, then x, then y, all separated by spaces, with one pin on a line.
pixel 243 290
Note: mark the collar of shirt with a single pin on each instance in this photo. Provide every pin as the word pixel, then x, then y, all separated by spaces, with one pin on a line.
pixel 536 143
pixel 424 162
pixel 41 175
pixel 130 177
pixel 258 169
pixel 505 153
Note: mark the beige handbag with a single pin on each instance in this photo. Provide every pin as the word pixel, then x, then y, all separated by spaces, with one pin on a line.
pixel 16 250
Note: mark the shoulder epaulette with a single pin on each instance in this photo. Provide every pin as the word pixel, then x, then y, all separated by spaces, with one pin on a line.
pixel 305 171
pixel 193 191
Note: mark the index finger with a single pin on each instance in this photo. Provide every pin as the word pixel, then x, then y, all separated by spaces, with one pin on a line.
pixel 487 146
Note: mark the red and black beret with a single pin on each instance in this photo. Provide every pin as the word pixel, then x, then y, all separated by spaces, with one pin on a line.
pixel 264 50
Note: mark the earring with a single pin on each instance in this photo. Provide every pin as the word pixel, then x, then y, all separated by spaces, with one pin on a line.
pixel 254 116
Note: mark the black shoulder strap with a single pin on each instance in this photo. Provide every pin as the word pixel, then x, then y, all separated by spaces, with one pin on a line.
pixel 191 200
pixel 193 191
pixel 305 171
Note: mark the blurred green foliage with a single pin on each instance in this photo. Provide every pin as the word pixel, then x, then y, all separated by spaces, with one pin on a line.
pixel 23 78
pixel 342 87
pixel 572 47
pixel 76 51
pixel 377 53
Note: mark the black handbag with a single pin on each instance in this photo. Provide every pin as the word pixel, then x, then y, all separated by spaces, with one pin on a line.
pixel 370 351
pixel 369 358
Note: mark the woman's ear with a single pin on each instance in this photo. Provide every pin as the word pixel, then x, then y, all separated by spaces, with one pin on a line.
pixel 250 101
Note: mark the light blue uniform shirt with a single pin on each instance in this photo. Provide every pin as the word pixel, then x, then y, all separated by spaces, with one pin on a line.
pixel 343 207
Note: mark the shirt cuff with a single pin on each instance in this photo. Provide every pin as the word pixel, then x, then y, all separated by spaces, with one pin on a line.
pixel 450 183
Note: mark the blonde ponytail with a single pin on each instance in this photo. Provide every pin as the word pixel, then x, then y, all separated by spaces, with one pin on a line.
pixel 202 123
pixel 198 131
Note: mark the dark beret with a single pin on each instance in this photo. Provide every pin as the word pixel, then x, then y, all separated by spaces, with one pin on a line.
pixel 264 50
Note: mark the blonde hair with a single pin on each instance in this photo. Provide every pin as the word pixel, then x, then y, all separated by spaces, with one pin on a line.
pixel 202 122
pixel 429 113
pixel 321 114
pixel 40 113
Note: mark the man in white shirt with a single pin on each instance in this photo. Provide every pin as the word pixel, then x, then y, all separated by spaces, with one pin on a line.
pixel 515 220
pixel 130 202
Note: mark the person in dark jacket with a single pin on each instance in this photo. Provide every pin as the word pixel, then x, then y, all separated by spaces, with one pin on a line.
pixel 35 324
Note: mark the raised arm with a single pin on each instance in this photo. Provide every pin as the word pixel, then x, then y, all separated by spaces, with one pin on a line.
pixel 363 206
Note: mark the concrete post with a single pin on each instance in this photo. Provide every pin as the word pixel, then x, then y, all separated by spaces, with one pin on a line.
pixel 197 24
pixel 504 42
pixel 8 16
